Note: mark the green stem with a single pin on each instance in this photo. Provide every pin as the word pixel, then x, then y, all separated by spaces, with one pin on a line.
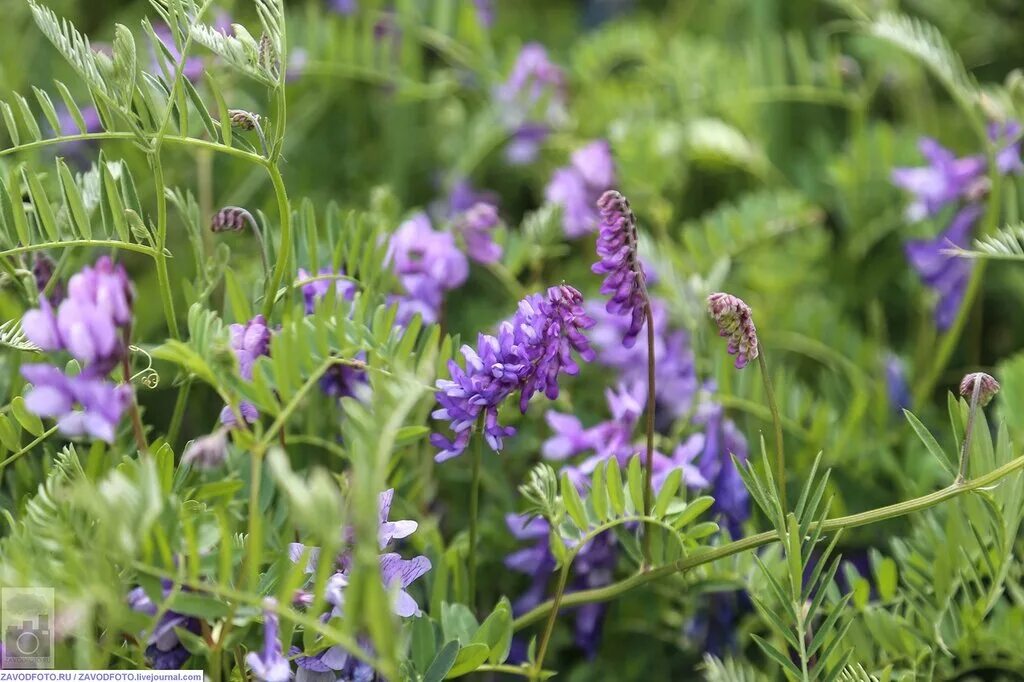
pixel 780 459
pixel 111 243
pixel 17 455
pixel 178 416
pixel 254 541
pixel 754 541
pixel 284 253
pixel 649 473
pixel 160 256
pixel 542 650
pixel 474 509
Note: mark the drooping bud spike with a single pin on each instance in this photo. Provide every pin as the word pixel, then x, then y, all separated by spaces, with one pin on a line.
pixel 617 246
pixel 735 322
pixel 232 218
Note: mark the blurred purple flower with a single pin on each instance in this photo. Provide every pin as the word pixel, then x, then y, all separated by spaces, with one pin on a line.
pixel 722 441
pixel 248 342
pixel 316 287
pixel 464 196
pixel 344 7
pixel 896 384
pixel 164 650
pixel 428 263
pixel 531 102
pixel 485 12
pixel 194 66
pixel 476 227
pixel 82 405
pixel 946 275
pixel 268 665
pixel 578 186
pixel 944 180
pixel 528 354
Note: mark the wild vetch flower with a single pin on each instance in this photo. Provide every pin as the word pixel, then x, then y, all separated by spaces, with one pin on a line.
pixel 947 275
pixel 735 322
pixel 943 181
pixel 194 66
pixel 532 101
pixel 165 650
pixel 397 574
pixel 427 263
pixel 316 287
pixel 464 196
pixel 88 324
pixel 207 452
pixel 248 342
pixel 485 12
pixel 620 262
pixel 594 567
pixel 578 186
pixel 527 355
pixel 723 441
pixel 268 665
pixel 987 387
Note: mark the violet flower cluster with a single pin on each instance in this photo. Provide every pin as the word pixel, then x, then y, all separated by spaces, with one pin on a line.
pixel 532 102
pixel 961 183
pixel 89 324
pixel 617 246
pixel 248 342
pixel 527 356
pixel 428 263
pixel 396 573
pixel 578 187
pixel 164 649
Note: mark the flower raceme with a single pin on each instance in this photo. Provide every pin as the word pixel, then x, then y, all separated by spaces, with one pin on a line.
pixel 248 342
pixel 526 356
pixel 89 325
pixel 617 247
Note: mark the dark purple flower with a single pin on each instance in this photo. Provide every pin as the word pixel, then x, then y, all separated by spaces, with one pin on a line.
pixel 531 101
pixel 593 567
pixel 527 355
pixel 723 441
pixel 620 262
pixel 248 342
pixel 946 275
pixel 268 665
pixel 165 650
pixel 43 268
pixel 578 187
pixel 428 263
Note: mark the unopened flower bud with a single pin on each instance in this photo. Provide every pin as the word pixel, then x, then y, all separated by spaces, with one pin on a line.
pixel 246 120
pixel 987 387
pixel 233 219
pixel 735 322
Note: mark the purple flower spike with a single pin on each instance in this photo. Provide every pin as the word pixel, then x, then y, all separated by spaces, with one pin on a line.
pixel 735 322
pixel 527 355
pixel 578 187
pixel 946 275
pixel 617 247
pixel 532 102
pixel 428 263
pixel 268 665
pixel 248 342
pixel 82 405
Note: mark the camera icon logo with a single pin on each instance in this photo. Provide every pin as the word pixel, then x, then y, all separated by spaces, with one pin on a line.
pixel 26 622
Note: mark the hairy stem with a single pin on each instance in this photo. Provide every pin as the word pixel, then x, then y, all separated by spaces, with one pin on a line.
pixel 542 650
pixel 780 459
pixel 706 556
pixel 649 473
pixel 965 448
pixel 474 508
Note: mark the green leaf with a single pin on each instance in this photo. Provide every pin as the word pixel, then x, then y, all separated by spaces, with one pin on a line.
pixel 458 623
pixel 41 206
pixel 30 422
pixel 442 663
pixel 410 434
pixel 635 477
pixel 73 199
pixel 777 656
pixel 667 492
pixel 614 479
pixel 573 504
pixel 929 441
pixel 702 530
pixel 496 632
pixel 598 496
pixel 470 657
pixel 69 102
pixel 886 579
pixel 9 435
pixel 693 510
pixel 424 643
pixel 222 107
pixel 194 604
pixel 11 123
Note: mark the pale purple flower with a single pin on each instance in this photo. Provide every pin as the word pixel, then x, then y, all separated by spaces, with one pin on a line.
pixel 946 275
pixel 207 452
pixel 736 323
pixel 387 531
pixel 617 246
pixel 897 388
pixel 315 287
pixel 428 263
pixel 578 187
pixel 398 574
pixel 485 12
pixel 343 7
pixel 944 180
pixel 476 228
pixel 194 66
pixel 82 405
pixel 268 664
pixel 464 196
pixel 531 102
pixel 528 354
pixel 165 650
